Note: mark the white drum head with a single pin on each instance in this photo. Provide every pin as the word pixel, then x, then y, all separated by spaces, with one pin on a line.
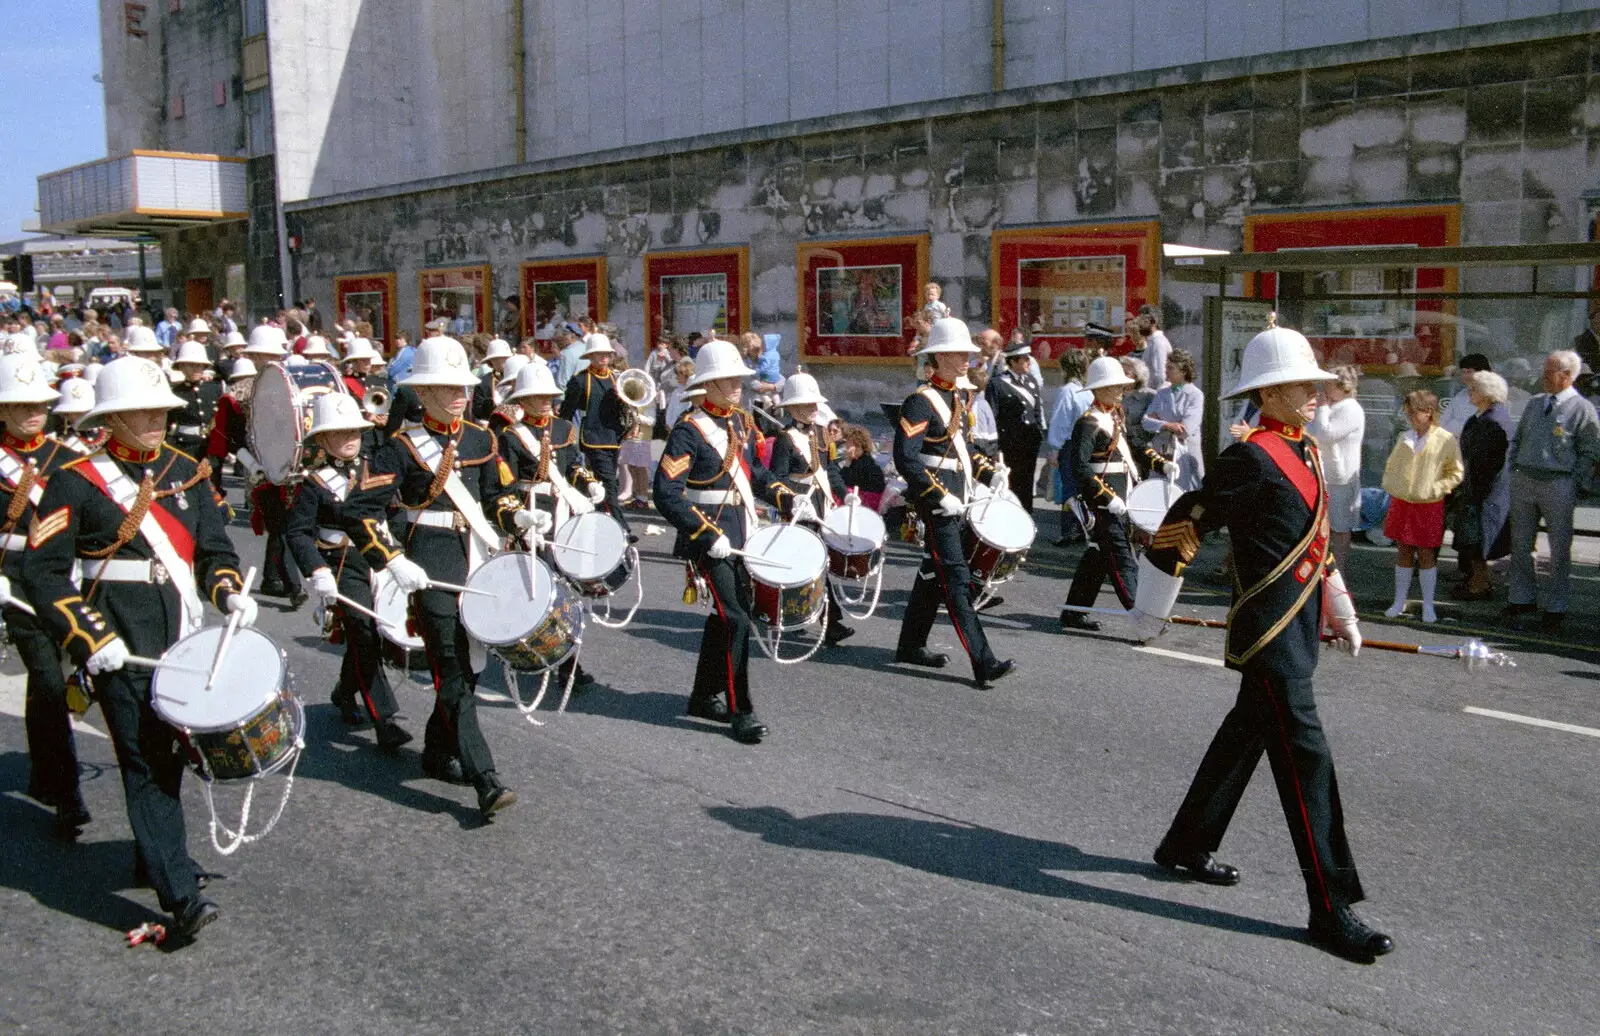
pixel 600 541
pixel 1149 501
pixel 518 604
pixel 251 675
pixel 790 556
pixel 1002 524
pixel 390 602
pixel 853 530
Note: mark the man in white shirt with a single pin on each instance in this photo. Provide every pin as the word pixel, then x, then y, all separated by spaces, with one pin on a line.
pixel 1156 347
pixel 1460 409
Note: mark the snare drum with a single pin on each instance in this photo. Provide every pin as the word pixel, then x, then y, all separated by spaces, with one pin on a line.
pixel 280 414
pixel 601 564
pixel 532 621
pixel 996 539
pixel 1149 501
pixel 787 568
pixel 249 724
pixel 389 601
pixel 854 537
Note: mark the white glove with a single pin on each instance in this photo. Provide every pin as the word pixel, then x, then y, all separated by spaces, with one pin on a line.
pixel 324 585
pixel 720 549
pixel 1340 609
pixel 948 506
pixel 1146 627
pixel 5 589
pixel 1153 600
pixel 1169 468
pixel 597 493
pixel 1000 479
pixel 538 521
pixel 408 575
pixel 803 510
pixel 1118 507
pixel 979 491
pixel 852 498
pixel 245 607
pixel 109 658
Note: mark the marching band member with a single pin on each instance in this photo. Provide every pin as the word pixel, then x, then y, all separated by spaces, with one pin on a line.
pixel 483 395
pixel 802 459
pixel 358 357
pixel 1268 491
pixel 77 399
pixel 29 458
pixel 151 535
pixel 606 419
pixel 542 452
pixel 233 344
pixel 1104 471
pixel 448 475
pixel 707 485
pixel 230 430
pixel 321 547
pixel 191 427
pixel 942 478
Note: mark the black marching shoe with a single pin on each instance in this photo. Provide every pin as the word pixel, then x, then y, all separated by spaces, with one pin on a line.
pixel 193 916
pixel 141 875
pixel 1343 934
pixel 297 598
pixel 494 796
pixel 392 737
pixel 713 709
pixel 443 768
pixel 994 672
pixel 923 657
pixel 1197 866
pixel 747 730
pixel 71 814
pixel 837 634
pixel 1078 621
pixel 349 712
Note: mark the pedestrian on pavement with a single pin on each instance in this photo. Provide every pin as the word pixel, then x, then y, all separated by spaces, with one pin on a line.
pixel 1071 402
pixel 1481 532
pixel 1460 409
pixel 1156 348
pixel 1423 468
pixel 1339 428
pixel 1553 457
pixel 1174 420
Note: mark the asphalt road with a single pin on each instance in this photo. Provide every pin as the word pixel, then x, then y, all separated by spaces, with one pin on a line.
pixel 904 854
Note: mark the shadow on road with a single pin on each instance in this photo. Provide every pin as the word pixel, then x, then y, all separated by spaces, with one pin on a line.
pixel 985 856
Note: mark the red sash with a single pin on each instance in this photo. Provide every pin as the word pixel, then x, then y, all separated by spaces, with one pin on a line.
pixel 1294 469
pixel 177 534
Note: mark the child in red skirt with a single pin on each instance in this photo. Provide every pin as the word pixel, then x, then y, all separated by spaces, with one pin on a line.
pixel 1423 468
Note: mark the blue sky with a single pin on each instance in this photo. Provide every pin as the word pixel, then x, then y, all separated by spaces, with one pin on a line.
pixel 49 55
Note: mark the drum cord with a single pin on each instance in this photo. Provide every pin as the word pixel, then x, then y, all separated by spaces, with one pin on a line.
pixel 846 601
pixel 771 650
pixel 239 838
pixel 513 681
pixel 638 576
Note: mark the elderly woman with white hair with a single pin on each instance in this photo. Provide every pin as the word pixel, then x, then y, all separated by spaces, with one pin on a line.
pixel 1339 428
pixel 1481 531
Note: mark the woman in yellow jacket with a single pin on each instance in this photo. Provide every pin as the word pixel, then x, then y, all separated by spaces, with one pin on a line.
pixel 1423 468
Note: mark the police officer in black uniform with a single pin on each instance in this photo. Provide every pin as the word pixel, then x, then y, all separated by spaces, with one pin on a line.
pixel 190 429
pixel 1017 399
pixel 1268 491
pixel 29 458
pixel 708 485
pixel 416 466
pixel 321 547
pixel 606 419
pixel 139 595
pixel 932 455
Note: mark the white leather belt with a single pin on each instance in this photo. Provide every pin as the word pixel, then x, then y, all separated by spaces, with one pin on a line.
pixel 125 570
pixel 942 463
pixel 332 537
pixel 192 430
pixel 438 519
pixel 711 496
pixel 1114 468
pixel 15 541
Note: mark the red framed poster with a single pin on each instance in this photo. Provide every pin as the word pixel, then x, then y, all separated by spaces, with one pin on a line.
pixel 700 290
pixel 462 295
pixel 1055 280
pixel 857 298
pixel 1362 316
pixel 369 297
pixel 555 291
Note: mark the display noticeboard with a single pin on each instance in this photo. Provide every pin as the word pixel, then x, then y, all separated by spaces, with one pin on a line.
pixel 857 298
pixel 702 290
pixel 1230 323
pixel 463 295
pixel 1363 317
pixel 369 297
pixel 555 291
pixel 1053 281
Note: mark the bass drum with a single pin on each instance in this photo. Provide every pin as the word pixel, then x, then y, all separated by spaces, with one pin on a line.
pixel 526 615
pixel 280 414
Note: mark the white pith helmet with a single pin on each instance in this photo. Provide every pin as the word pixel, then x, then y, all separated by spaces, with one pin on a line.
pixel 316 347
pixel 360 349
pixel 242 368
pixel 499 349
pixel 1105 372
pixel 141 339
pixel 131 383
pixel 336 412
pixel 441 361
pixel 717 360
pixel 192 352
pixel 77 397
pixel 514 365
pixel 197 326
pixel 1277 356
pixel 597 343
pixel 948 335
pixel 233 338
pixel 22 380
pixel 534 380
pixel 801 389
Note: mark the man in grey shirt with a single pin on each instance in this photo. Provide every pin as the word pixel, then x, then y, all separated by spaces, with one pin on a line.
pixel 1156 350
pixel 1553 457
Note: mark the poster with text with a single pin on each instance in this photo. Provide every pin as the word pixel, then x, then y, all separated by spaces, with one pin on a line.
pixel 368 297
pixel 1053 281
pixel 1363 316
pixel 461 295
pixel 559 291
pixel 857 298
pixel 704 289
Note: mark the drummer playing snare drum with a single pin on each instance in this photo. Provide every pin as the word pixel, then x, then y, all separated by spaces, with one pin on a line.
pixel 151 535
pixel 1103 467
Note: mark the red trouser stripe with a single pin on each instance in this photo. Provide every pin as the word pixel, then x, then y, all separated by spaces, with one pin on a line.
pixel 949 600
pixel 733 698
pixel 1299 796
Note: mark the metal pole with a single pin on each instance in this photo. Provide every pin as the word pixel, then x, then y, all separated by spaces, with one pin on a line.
pixel 144 300
pixel 998 46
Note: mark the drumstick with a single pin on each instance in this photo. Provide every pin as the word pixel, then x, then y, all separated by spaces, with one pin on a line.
pixel 368 612
pixel 21 606
pixel 557 544
pixel 757 558
pixel 156 663
pixel 229 630
pixel 454 588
